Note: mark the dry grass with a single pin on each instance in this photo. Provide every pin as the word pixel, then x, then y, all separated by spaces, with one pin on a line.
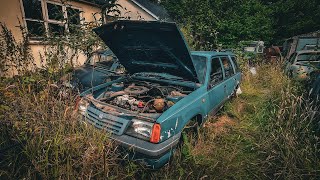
pixel 270 131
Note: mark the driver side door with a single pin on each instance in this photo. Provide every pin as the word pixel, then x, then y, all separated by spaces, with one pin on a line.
pixel 216 86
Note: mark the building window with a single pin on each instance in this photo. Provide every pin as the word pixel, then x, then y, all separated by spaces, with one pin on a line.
pixel 34 18
pixel 55 19
pixel 73 18
pixel 50 18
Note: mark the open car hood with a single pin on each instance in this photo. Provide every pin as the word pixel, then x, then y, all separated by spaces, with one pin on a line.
pixel 149 46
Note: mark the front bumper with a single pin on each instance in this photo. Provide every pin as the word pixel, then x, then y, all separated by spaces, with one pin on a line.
pixel 149 149
pixel 149 154
pixel 152 155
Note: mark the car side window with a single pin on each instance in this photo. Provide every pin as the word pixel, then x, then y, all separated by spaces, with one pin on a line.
pixel 228 69
pixel 236 66
pixel 216 74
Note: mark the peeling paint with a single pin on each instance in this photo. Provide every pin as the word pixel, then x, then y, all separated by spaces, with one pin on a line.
pixel 176 123
pixel 169 134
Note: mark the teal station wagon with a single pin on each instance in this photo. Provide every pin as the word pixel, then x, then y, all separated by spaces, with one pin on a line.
pixel 166 87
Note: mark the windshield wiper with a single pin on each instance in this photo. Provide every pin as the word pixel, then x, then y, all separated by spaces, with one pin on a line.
pixel 158 76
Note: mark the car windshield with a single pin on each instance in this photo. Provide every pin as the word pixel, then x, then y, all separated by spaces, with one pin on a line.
pixel 309 57
pixel 101 59
pixel 200 64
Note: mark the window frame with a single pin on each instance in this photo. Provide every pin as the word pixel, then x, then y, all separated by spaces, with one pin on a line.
pixel 224 71
pixel 46 20
pixel 235 64
pixel 33 20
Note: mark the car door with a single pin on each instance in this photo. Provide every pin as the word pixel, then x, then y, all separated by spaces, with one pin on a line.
pixel 237 76
pixel 215 85
pixel 229 81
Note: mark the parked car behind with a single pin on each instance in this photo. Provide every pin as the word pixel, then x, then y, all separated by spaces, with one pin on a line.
pixel 302 63
pixel 101 66
pixel 166 87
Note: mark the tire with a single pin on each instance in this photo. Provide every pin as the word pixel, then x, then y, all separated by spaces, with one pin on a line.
pixel 190 132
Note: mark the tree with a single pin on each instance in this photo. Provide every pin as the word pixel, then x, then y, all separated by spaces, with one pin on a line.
pixel 294 17
pixel 227 22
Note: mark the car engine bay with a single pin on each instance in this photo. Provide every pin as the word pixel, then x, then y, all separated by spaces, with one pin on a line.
pixel 144 96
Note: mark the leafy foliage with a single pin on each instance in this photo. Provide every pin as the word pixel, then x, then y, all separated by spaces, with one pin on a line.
pixel 294 17
pixel 212 22
pixel 209 23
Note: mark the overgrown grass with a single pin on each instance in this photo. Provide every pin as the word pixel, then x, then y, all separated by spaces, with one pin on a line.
pixel 270 131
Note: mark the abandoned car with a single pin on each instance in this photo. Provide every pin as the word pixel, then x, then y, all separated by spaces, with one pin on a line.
pixel 302 63
pixel 165 87
pixel 101 66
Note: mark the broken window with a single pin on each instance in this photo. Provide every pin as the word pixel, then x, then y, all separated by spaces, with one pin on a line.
pixel 34 18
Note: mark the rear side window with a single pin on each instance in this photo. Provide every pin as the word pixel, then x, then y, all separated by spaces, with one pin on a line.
pixel 236 66
pixel 228 69
pixel 216 75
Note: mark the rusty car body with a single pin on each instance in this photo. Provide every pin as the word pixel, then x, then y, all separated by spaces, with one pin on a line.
pixel 309 41
pixel 302 63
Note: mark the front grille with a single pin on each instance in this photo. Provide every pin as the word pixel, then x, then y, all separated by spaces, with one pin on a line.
pixel 105 121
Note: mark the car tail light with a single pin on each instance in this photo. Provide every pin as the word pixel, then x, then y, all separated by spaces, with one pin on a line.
pixel 155 136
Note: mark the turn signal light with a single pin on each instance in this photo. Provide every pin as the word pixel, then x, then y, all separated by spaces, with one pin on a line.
pixel 155 136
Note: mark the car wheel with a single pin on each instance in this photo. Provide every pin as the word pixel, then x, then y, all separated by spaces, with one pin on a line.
pixel 189 138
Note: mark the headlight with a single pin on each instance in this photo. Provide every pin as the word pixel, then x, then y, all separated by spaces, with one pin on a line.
pixel 83 106
pixel 144 130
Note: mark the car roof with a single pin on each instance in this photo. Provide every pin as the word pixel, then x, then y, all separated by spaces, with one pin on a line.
pixel 211 53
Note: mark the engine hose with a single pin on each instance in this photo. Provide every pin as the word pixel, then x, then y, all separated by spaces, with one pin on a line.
pixel 144 108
